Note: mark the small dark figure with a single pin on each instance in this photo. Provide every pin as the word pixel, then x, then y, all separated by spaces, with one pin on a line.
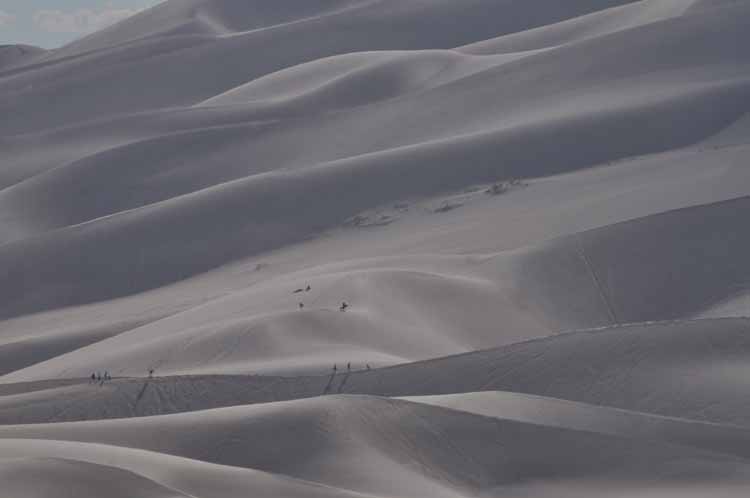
pixel 150 373
pixel 98 377
pixel 335 368
pixel 308 289
pixel 344 306
pixel 301 306
pixel 297 291
pixel 106 376
pixel 368 366
pixel 349 366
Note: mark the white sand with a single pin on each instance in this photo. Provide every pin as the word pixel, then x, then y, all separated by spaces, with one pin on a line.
pixel 169 183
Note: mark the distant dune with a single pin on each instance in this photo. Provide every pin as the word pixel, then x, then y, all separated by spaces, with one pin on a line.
pixel 14 55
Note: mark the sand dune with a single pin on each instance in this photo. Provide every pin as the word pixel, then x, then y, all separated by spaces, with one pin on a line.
pixel 597 24
pixel 534 211
pixel 559 205
pixel 580 416
pixel 620 367
pixel 162 396
pixel 473 135
pixel 339 441
pixel 224 16
pixel 686 283
pixel 382 25
pixel 357 79
pixel 243 235
pixel 493 300
pixel 14 55
pixel 642 368
pixel 141 471
pixel 159 174
pixel 562 61
pixel 20 478
pixel 415 308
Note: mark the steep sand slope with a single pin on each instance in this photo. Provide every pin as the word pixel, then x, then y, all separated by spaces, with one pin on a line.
pixel 508 406
pixel 554 412
pixel 555 85
pixel 554 206
pixel 215 17
pixel 684 369
pixel 14 55
pixel 381 25
pixel 21 479
pixel 163 228
pixel 172 206
pixel 128 471
pixel 593 25
pixel 340 441
pixel 671 252
pixel 222 17
pixel 687 369
pixel 418 307
pixel 356 79
pixel 484 301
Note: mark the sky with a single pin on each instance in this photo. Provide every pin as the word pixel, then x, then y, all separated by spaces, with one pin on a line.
pixel 52 23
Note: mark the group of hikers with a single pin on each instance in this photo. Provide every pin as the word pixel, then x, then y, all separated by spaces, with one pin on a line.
pixel 348 367
pixel 306 289
pixel 100 377
pixel 344 305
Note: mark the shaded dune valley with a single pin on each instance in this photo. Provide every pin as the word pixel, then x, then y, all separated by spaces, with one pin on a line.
pixel 379 249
